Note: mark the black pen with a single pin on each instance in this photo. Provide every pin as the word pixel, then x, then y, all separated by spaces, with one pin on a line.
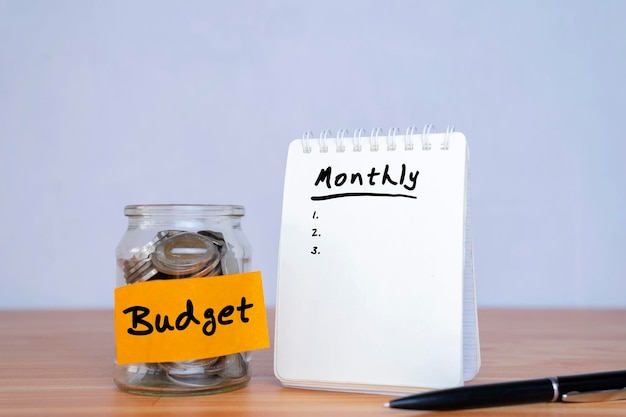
pixel 602 386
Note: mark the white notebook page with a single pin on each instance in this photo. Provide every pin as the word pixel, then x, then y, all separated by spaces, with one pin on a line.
pixel 373 275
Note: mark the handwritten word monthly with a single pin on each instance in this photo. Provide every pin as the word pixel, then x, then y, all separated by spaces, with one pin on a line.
pixel 399 177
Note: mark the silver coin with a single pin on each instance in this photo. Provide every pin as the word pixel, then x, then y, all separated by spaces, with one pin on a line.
pixel 234 367
pixel 197 380
pixel 195 373
pixel 143 275
pixel 210 269
pixel 139 271
pixel 140 259
pixel 132 267
pixel 168 233
pixel 184 254
pixel 229 263
pixel 216 237
pixel 145 251
pixel 213 272
pixel 193 367
pixel 129 265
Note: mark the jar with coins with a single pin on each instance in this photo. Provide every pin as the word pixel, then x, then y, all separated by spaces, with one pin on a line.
pixel 165 242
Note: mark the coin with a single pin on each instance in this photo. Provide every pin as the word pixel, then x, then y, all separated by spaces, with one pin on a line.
pixel 212 268
pixel 228 263
pixel 143 274
pixel 234 366
pixel 198 366
pixel 136 270
pixel 216 237
pixel 185 254
pixel 139 266
pixel 135 265
pixel 199 372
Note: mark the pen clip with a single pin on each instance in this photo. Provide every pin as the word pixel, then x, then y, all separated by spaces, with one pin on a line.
pixel 594 396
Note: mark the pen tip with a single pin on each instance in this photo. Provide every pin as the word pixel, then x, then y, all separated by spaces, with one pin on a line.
pixel 386 405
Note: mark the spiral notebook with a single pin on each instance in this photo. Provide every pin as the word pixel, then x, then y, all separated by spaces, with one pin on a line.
pixel 376 274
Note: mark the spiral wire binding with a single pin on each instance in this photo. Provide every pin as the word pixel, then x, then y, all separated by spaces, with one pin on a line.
pixel 357 140
pixel 374 139
pixel 391 138
pixel 408 143
pixel 306 141
pixel 324 140
pixel 341 134
pixel 445 145
pixel 426 137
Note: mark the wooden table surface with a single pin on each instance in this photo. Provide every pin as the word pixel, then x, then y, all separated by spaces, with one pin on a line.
pixel 59 363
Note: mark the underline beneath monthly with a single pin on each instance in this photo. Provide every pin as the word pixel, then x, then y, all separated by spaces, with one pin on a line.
pixel 341 195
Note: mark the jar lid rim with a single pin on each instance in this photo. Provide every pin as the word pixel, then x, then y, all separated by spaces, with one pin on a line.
pixel 182 209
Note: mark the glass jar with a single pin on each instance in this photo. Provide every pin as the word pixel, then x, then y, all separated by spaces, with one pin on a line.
pixel 177 242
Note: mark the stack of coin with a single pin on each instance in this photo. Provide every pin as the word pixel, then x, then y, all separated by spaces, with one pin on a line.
pixel 187 255
pixel 178 254
pixel 174 254
pixel 139 267
pixel 203 372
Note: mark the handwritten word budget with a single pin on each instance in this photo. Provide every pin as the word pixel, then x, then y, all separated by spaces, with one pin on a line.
pixel 171 320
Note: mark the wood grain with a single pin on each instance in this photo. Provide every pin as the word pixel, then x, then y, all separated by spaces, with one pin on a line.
pixel 60 363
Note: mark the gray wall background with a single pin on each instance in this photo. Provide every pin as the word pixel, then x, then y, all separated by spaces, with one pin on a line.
pixel 108 103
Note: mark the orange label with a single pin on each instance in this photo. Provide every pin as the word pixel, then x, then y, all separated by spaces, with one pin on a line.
pixel 191 318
